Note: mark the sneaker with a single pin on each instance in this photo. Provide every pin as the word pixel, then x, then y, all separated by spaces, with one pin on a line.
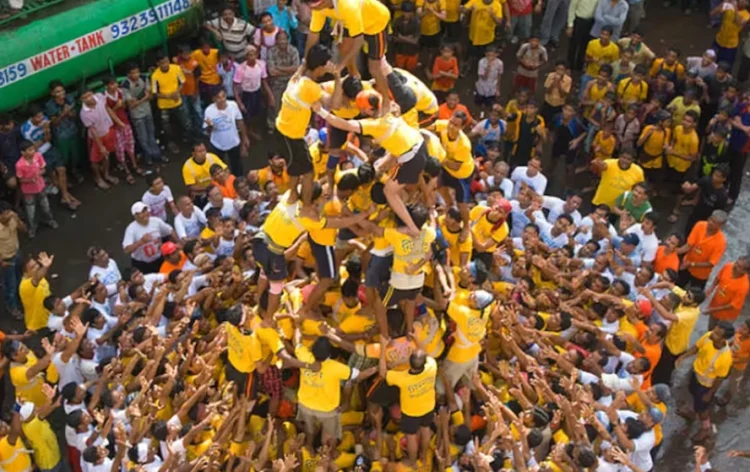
pixel 514 40
pixel 53 224
pixel 51 190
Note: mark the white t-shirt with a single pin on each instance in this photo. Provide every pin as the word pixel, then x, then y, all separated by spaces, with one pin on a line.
pixel 538 183
pixel 487 87
pixel 69 371
pixel 642 445
pixel 556 208
pixel 545 232
pixel 190 228
pixel 150 251
pixel 227 208
pixel 518 219
pixel 648 245
pixel 157 204
pixel 224 134
pixel 107 275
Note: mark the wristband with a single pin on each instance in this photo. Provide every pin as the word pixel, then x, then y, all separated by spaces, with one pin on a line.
pixel 323 113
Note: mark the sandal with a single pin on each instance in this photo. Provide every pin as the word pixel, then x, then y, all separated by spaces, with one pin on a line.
pixel 140 171
pixel 102 185
pixel 129 179
pixel 112 180
pixel 674 217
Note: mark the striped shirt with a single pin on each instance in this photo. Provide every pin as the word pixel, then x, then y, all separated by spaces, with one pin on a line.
pixel 234 35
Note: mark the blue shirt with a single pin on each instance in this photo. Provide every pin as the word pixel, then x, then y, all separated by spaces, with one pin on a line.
pixel 614 16
pixel 283 19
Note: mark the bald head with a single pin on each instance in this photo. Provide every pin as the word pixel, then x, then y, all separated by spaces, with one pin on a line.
pixel 417 360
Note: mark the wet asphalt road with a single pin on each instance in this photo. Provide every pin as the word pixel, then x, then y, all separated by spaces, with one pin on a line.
pixel 102 218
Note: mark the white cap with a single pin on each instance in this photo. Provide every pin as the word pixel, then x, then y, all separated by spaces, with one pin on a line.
pixel 137 208
pixel 27 409
pixel 710 53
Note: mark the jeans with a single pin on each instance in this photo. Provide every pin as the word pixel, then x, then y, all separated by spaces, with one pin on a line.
pixel 194 110
pixel 168 118
pixel 301 41
pixel 10 274
pixel 30 202
pixel 145 133
pixel 520 26
pixel 553 21
pixel 636 12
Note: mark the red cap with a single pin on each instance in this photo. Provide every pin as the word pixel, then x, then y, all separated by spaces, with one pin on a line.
pixel 645 307
pixel 368 100
pixel 505 205
pixel 168 248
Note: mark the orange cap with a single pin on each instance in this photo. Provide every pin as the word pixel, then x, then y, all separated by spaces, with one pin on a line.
pixel 368 100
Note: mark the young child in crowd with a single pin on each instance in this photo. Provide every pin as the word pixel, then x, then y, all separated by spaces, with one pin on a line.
pixel 444 72
pixel 124 140
pixel 158 197
pixel 489 78
pixel 406 38
pixel 190 96
pixel 30 173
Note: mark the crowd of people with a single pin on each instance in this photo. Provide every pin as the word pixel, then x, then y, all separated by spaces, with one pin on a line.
pixel 398 289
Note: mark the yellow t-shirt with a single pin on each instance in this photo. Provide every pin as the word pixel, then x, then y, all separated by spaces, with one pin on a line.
pixel 728 35
pixel 319 160
pixel 166 83
pixel 678 335
pixel 683 143
pixel 458 150
pixel 392 133
pixel 616 181
pixel 628 92
pixel 452 10
pixel 32 299
pixel 381 246
pixel 417 391
pixel 295 112
pixel 654 145
pixel 43 441
pixel 321 234
pixel 207 64
pixel 605 145
pixel 407 251
pixel 430 24
pixel 678 108
pixel 350 110
pixel 368 17
pixel 456 247
pixel 600 54
pixel 283 225
pixel 483 229
pixel 13 457
pixel 426 101
pixel 321 391
pixel 711 363
pixel 243 350
pixel 433 145
pixel 471 328
pixel 428 331
pixel 200 174
pixel 27 390
pixel 482 25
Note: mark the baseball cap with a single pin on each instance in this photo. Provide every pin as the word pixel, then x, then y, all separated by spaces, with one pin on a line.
pixel 168 248
pixel 645 307
pixel 656 415
pixel 137 207
pixel 631 239
pixel 663 392
pixel 505 205
pixel 482 298
pixel 368 100
pixel 710 53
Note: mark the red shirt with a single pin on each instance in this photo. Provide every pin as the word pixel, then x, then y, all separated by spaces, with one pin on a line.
pixel 442 65
pixel 445 113
pixel 33 169
pixel 519 7
pixel 112 101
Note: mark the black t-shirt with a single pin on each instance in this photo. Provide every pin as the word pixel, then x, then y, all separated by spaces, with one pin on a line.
pixel 710 199
pixel 10 150
pixel 404 27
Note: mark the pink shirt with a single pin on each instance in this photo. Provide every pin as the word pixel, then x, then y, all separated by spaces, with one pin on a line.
pixel 33 169
pixel 249 77
pixel 96 119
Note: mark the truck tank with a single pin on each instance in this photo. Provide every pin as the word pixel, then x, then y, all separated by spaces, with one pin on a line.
pixel 85 39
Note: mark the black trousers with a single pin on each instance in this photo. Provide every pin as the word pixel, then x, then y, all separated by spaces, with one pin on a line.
pixel 579 41
pixel 685 279
pixel 233 158
pixel 737 161
pixel 664 368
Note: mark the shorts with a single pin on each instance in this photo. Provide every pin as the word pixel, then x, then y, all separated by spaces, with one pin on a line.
pixel 325 260
pixel 409 62
pixel 272 263
pixel 430 42
pixel 361 362
pixel 378 271
pixel 69 150
pixel 244 381
pixel 253 103
pixel 337 137
pixel 52 159
pixel 462 187
pixel 452 30
pixel 391 296
pixel 377 45
pixel 401 93
pixel 653 176
pixel 108 140
pixel 485 100
pixel 271 380
pixel 698 391
pixel 297 156
pixel 412 424
pixel 329 422
pixel 409 172
pixel 380 393
pixel 454 371
pixel 674 178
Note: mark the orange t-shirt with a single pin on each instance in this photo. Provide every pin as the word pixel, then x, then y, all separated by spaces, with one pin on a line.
pixel 444 84
pixel 704 249
pixel 167 267
pixel 227 190
pixel 740 352
pixel 653 354
pixel 188 67
pixel 445 113
pixel 282 181
pixel 663 261
pixel 729 290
